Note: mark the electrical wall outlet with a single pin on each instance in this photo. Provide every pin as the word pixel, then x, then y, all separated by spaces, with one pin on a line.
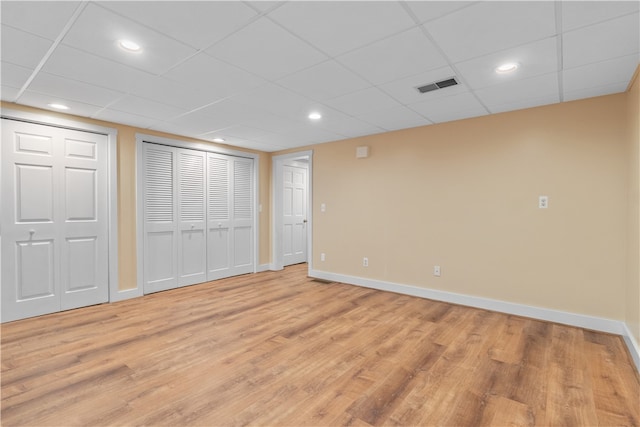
pixel 543 202
pixel 365 262
pixel 436 270
pixel 323 257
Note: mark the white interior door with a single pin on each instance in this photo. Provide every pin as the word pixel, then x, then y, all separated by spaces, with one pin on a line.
pixel 160 219
pixel 192 248
pixel 54 219
pixel 294 198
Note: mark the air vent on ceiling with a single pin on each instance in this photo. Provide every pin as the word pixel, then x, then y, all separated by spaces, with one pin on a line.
pixel 438 85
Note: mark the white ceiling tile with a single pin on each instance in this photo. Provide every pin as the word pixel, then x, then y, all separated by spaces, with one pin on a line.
pixel 618 70
pixel 596 91
pixel 487 27
pixel 229 112
pixel 43 18
pixel 124 118
pixel 526 103
pixel 94 70
pixel 195 23
pixel 169 92
pixel 341 124
pixel 278 100
pixel 175 129
pixel 267 50
pixel 455 107
pixel 264 5
pixel 324 81
pixel 577 14
pixel 249 133
pixel 22 48
pixel 545 86
pixel 13 75
pixel 337 27
pixel 430 10
pixel 146 108
pixel 8 93
pixel 536 58
pixel 362 102
pixel 402 55
pixel 607 40
pixel 212 77
pixel 404 90
pixel 271 122
pixel 395 118
pixel 194 123
pixel 50 84
pixel 40 100
pixel 310 134
pixel 98 30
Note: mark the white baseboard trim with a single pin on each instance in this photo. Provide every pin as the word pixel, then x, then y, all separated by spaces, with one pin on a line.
pixel 263 267
pixel 125 294
pixel 572 319
pixel 633 346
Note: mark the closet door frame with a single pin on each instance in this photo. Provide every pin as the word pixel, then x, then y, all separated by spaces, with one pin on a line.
pixel 141 139
pixel 112 181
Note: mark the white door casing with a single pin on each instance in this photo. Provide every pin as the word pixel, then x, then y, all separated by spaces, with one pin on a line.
pixel 294 209
pixel 55 221
pixel 278 163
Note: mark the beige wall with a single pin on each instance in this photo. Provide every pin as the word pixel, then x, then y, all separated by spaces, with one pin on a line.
pixel 127 188
pixel 464 195
pixel 633 264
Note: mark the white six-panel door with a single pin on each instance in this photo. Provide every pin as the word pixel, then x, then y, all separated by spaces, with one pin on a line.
pixel 294 198
pixel 198 210
pixel 54 219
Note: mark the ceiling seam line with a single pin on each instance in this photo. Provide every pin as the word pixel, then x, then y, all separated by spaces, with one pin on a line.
pixel 559 49
pixel 54 46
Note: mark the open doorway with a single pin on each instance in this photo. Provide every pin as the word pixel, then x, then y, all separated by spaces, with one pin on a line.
pixel 292 219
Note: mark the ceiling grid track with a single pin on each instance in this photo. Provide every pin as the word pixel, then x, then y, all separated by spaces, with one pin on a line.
pixel 53 47
pixel 558 7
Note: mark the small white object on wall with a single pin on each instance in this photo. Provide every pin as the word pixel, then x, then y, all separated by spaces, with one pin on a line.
pixel 362 152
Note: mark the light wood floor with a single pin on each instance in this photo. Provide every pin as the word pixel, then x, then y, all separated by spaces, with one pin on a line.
pixel 277 348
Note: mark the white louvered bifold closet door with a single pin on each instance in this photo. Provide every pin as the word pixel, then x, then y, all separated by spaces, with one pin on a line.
pixel 198 211
pixel 242 223
pixel 192 248
pixel 160 219
pixel 219 222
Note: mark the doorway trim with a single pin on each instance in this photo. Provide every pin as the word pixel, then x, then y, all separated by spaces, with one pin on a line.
pixel 112 176
pixel 277 164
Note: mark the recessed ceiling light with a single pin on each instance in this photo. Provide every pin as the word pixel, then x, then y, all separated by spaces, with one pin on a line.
pixel 58 106
pixel 129 45
pixel 315 116
pixel 218 140
pixel 508 67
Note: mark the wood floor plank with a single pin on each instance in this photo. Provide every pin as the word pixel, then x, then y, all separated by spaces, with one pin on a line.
pixel 280 349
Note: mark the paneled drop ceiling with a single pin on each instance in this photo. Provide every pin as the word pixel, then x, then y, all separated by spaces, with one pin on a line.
pixel 251 72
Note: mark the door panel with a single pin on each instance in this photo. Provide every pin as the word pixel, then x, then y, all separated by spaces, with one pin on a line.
pixel 82 271
pixel 36 269
pixel 294 198
pixel 55 224
pixel 191 217
pixel 219 245
pixel 34 193
pixel 160 243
